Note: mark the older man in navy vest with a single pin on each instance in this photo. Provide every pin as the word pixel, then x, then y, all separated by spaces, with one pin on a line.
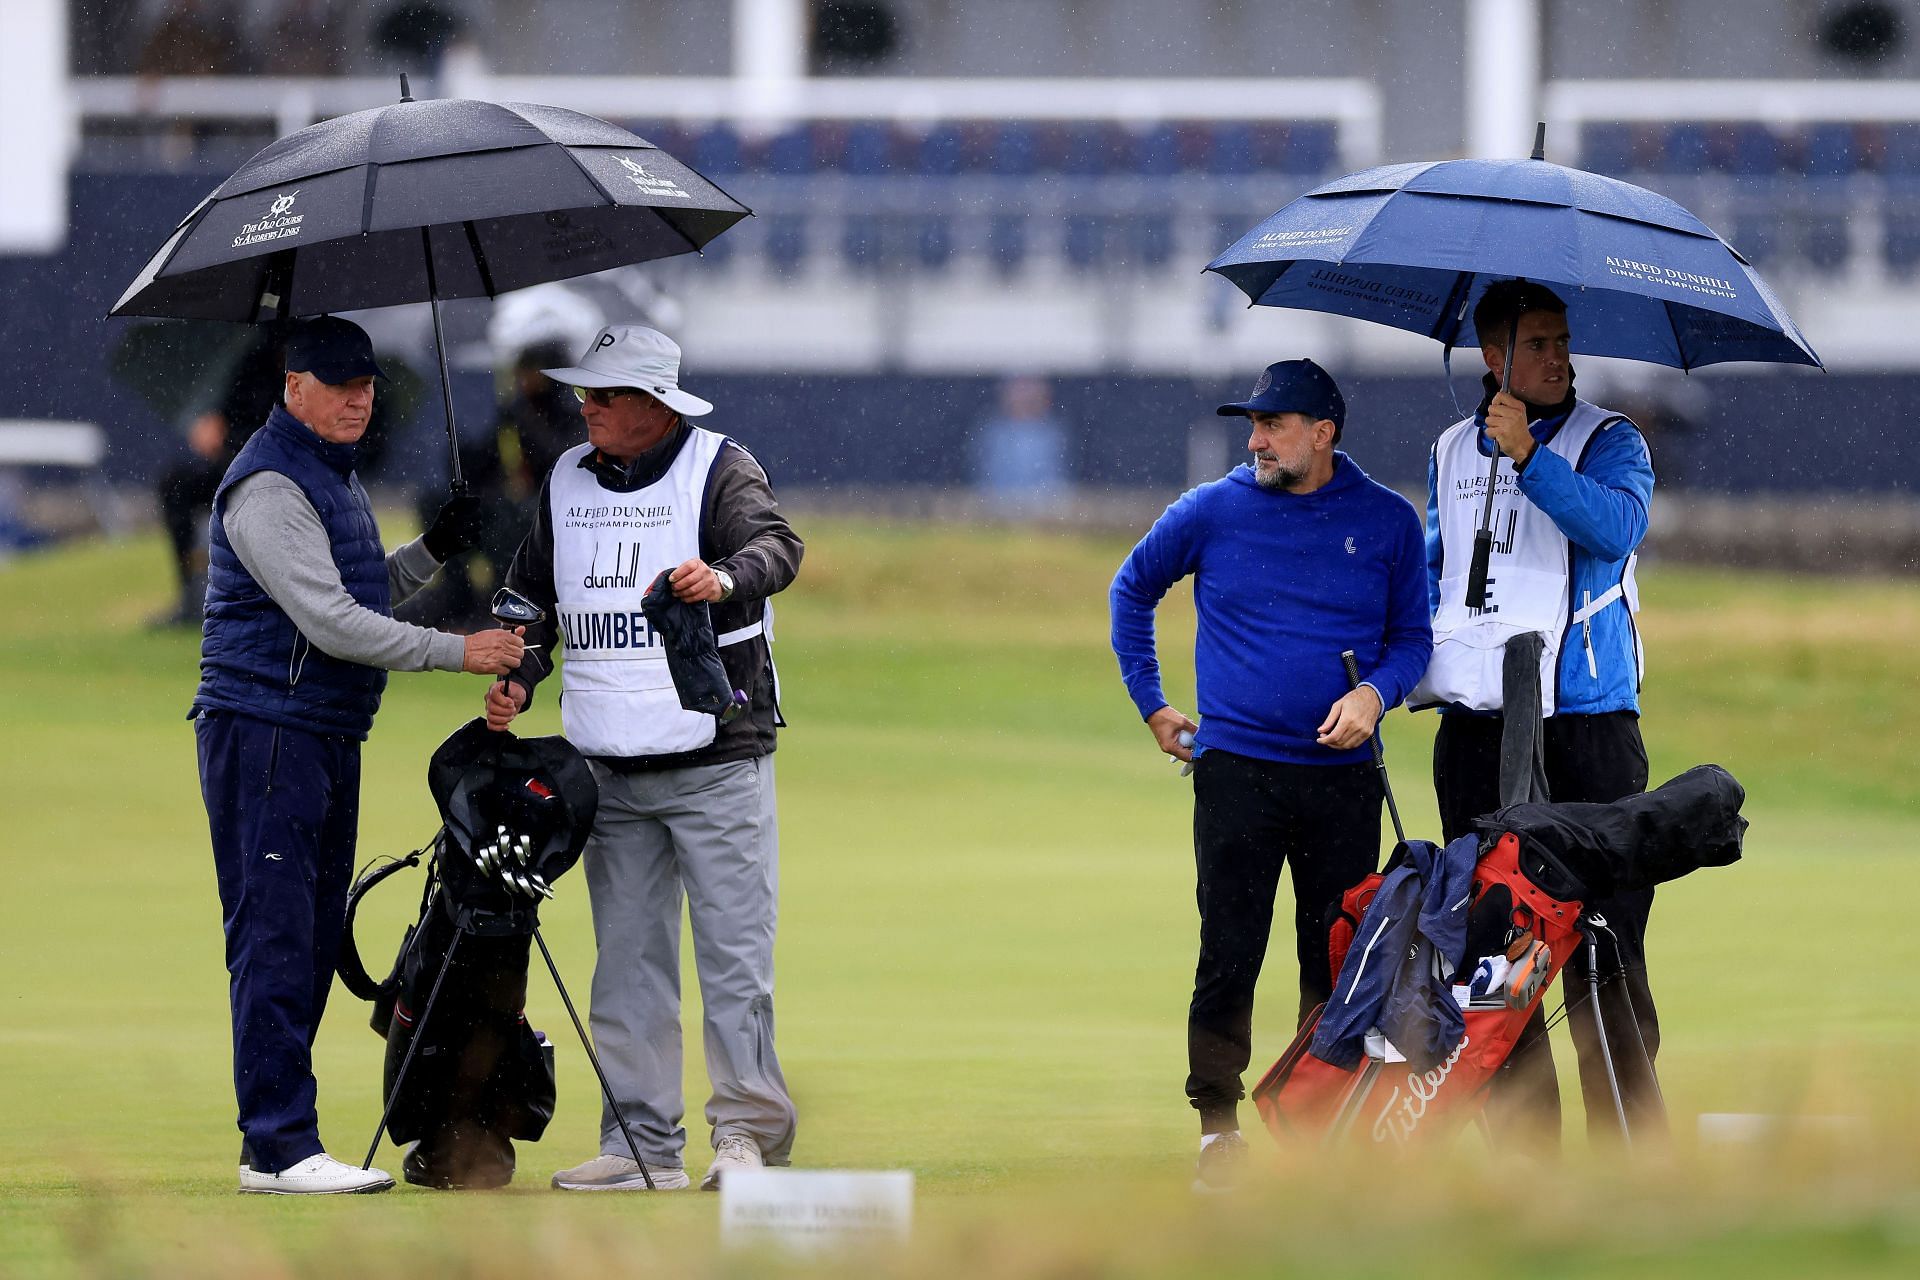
pixel 298 640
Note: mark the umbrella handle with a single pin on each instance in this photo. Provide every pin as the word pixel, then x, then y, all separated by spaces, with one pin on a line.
pixel 1483 536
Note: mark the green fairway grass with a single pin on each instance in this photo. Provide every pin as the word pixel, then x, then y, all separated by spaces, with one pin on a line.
pixel 986 943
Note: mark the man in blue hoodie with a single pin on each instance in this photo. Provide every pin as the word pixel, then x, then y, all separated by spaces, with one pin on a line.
pixel 1571 499
pixel 1295 557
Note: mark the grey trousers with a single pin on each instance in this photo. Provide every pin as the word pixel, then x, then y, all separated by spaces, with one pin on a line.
pixel 712 832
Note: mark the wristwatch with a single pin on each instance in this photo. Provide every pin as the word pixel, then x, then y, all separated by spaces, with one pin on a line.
pixel 726 583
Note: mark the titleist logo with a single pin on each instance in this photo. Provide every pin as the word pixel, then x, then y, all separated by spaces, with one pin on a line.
pixel 1404 1111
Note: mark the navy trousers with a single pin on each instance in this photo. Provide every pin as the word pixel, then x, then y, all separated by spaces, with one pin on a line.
pixel 283 806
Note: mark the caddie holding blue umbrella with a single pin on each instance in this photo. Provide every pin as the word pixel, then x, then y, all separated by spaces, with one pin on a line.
pixel 1570 505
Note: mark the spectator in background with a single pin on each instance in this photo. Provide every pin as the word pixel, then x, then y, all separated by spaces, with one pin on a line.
pixel 1020 454
pixel 193 38
pixel 213 438
pixel 307 38
pixel 538 421
pixel 417 33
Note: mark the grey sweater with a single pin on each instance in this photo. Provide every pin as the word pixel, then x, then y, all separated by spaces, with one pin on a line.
pixel 279 538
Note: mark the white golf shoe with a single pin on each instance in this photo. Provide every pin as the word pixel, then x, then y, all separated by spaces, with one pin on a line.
pixel 317 1175
pixel 735 1151
pixel 618 1173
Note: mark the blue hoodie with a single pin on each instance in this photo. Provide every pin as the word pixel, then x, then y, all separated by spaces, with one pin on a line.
pixel 1601 506
pixel 1283 582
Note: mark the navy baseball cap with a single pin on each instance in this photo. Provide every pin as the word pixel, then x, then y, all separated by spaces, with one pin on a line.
pixel 1293 386
pixel 331 349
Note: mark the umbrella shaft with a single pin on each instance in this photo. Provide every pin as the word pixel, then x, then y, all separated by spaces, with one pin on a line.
pixel 440 349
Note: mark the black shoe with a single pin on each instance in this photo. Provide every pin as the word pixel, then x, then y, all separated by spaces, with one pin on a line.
pixel 1222 1165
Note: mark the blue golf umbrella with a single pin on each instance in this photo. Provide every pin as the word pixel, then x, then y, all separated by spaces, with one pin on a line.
pixel 1415 245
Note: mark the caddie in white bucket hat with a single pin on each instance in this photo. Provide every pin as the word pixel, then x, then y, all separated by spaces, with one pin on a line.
pixel 632 355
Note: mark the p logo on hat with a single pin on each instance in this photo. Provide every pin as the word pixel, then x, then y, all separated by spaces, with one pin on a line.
pixel 633 355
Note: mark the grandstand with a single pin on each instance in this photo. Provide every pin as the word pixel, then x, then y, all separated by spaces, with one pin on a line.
pixel 957 191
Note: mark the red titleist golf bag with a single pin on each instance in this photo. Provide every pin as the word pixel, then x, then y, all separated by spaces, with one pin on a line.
pixel 1304 1097
pixel 1536 864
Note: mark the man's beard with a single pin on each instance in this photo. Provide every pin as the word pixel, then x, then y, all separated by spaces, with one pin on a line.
pixel 1278 476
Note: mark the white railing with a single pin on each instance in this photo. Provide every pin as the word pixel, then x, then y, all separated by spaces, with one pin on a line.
pixel 291 103
pixel 1568 104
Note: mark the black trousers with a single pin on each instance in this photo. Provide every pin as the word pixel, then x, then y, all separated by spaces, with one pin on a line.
pixel 1598 759
pixel 1251 817
pixel 186 498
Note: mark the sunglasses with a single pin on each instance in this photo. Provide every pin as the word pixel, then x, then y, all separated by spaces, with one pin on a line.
pixel 602 396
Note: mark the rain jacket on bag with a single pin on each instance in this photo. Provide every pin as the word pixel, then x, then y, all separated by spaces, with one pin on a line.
pixel 1397 974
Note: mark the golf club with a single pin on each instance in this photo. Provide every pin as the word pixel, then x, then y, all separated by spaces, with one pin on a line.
pixel 511 609
pixel 1379 756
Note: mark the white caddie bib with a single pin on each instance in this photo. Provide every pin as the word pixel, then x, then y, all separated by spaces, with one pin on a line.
pixel 1528 577
pixel 617 696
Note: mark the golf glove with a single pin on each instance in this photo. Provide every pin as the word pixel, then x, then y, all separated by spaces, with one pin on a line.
pixel 457 528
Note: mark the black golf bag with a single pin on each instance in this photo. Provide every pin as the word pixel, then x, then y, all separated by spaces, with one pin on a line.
pixel 465 1075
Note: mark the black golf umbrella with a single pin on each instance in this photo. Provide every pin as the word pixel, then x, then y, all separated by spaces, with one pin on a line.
pixel 418 201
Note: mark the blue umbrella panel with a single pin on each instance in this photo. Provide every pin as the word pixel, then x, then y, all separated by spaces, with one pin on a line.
pixel 1414 245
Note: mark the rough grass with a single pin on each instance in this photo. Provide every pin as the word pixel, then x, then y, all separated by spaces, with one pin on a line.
pixel 986 941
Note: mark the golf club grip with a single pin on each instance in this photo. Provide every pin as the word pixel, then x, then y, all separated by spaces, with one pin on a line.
pixel 1477 574
pixel 1353 682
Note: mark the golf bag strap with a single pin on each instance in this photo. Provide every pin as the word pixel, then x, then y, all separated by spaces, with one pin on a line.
pixel 353 972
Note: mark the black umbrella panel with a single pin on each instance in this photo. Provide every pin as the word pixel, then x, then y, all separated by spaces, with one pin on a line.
pixel 419 201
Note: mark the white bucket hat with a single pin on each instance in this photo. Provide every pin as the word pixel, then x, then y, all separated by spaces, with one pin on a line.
pixel 632 355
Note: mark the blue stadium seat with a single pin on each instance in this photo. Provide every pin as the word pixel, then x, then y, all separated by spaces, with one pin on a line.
pixel 1902 245
pixel 1151 235
pixel 1902 158
pixel 1232 152
pixel 1091 151
pixel 717 151
pixel 1312 148
pixel 861 241
pixel 1831 151
pixel 1007 241
pixel 869 150
pixel 789 153
pixel 1607 148
pixel 1156 152
pixel 1085 241
pixel 933 243
pixel 1754 233
pixel 1687 149
pixel 1015 151
pixel 942 152
pixel 786 242
pixel 1757 151
pixel 1825 240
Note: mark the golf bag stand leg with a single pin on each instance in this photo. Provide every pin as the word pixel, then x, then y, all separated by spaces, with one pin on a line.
pixel 1600 1029
pixel 606 1090
pixel 1619 975
pixel 419 1032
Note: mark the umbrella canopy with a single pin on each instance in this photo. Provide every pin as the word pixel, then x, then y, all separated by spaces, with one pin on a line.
pixel 1414 245
pixel 449 198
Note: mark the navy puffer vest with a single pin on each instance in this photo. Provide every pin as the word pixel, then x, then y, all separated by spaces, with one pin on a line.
pixel 253 660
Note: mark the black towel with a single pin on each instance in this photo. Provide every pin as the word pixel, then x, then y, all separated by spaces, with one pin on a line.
pixel 693 659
